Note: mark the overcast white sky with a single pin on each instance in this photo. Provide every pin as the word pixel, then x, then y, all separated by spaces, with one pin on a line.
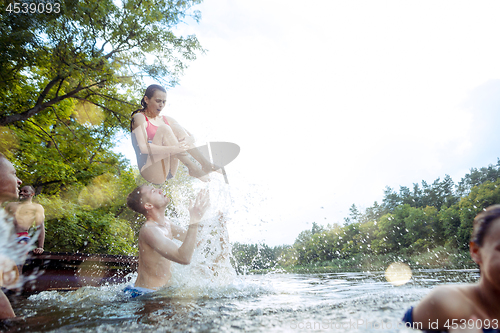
pixel 330 101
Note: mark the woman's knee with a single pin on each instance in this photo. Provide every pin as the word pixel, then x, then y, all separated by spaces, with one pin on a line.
pixel 164 135
pixel 165 129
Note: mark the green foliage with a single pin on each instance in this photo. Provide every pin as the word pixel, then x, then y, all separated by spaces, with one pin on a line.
pixel 428 226
pixel 93 218
pixel 69 82
pixel 408 224
pixel 477 177
pixel 257 256
pixel 479 198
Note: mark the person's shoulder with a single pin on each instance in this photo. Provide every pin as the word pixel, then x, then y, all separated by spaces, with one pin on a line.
pixel 148 229
pixel 11 205
pixel 444 302
pixel 147 226
pixel 38 206
pixel 138 118
pixel 446 292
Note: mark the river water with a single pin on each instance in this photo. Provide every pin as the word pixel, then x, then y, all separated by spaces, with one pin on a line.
pixel 208 295
pixel 340 302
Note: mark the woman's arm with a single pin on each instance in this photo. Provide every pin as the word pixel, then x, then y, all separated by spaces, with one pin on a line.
pixel 139 125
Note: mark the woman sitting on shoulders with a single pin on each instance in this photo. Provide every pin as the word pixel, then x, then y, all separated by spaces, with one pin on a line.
pixel 470 307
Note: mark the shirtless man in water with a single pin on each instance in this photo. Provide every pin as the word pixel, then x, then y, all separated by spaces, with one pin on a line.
pixel 27 214
pixel 156 248
pixel 9 190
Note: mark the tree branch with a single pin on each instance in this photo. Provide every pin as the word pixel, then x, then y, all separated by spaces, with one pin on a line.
pixel 40 107
pixel 47 89
pixel 51 139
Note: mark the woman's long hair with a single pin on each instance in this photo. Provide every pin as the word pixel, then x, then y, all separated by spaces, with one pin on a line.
pixel 150 91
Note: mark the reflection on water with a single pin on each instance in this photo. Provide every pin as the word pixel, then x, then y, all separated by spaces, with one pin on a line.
pixel 340 302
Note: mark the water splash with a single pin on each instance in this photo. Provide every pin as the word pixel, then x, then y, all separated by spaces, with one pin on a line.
pixel 12 253
pixel 210 275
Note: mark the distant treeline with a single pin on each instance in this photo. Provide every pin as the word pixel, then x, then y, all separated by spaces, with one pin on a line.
pixel 406 224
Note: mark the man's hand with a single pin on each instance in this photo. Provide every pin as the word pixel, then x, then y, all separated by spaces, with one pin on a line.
pixel 200 206
pixel 38 250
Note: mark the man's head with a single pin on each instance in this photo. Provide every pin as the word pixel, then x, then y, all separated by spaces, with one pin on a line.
pixel 9 183
pixel 27 192
pixel 145 198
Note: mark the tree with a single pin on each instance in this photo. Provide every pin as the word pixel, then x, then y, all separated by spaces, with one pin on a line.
pixel 391 200
pixel 95 218
pixel 423 229
pixel 450 220
pixel 70 80
pixel 316 228
pixel 389 235
pixel 354 214
pixel 477 177
pixel 480 197
pixel 372 213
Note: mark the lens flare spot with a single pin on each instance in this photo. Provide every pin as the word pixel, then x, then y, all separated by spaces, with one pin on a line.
pixel 88 114
pixel 8 140
pixel 103 190
pixel 398 273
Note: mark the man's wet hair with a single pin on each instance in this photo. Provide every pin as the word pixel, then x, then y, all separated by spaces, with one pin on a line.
pixel 32 189
pixel 134 200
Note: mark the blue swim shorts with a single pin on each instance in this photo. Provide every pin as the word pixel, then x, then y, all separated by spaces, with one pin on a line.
pixel 133 291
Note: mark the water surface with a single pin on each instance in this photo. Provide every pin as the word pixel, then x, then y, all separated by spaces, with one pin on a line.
pixel 340 302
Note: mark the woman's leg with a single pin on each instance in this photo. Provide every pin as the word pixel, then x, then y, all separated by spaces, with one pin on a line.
pixel 161 165
pixel 196 153
pixel 157 166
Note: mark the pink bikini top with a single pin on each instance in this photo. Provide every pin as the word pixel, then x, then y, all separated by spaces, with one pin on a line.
pixel 151 129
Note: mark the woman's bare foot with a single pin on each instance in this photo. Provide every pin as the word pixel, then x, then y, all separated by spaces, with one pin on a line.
pixel 212 168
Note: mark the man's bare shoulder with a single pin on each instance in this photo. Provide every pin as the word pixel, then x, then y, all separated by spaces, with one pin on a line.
pixel 37 206
pixel 12 206
pixel 151 231
pixel 445 302
pixel 147 227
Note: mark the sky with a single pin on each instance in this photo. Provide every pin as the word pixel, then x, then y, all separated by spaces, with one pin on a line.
pixel 332 101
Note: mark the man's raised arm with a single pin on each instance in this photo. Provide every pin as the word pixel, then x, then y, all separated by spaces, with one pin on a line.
pixel 166 247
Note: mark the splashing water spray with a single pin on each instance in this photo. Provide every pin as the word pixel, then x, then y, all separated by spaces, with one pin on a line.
pixel 13 254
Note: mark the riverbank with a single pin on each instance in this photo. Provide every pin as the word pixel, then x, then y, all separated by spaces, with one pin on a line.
pixel 437 258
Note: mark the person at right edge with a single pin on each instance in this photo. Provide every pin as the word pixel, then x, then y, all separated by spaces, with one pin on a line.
pixel 469 307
